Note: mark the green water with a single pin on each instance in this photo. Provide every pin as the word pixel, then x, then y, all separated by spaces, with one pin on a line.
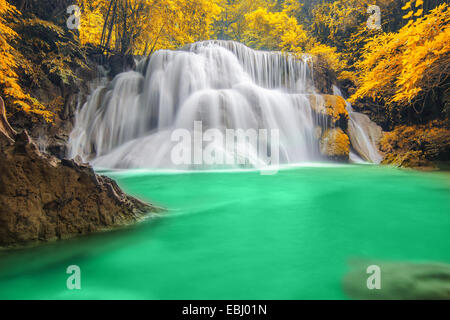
pixel 243 235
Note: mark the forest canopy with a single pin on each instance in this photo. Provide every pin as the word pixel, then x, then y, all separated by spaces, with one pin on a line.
pixel 394 56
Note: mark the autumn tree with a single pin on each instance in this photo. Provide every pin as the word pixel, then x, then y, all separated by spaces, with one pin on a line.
pixel 280 30
pixel 343 23
pixel 231 24
pixel 10 60
pixel 403 69
pixel 92 20
pixel 143 26
pixel 8 76
pixel 275 31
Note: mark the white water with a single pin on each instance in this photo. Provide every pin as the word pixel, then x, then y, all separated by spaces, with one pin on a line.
pixel 128 123
pixel 364 135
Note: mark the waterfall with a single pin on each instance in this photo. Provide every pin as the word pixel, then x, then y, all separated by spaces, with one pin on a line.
pixel 129 122
pixel 364 135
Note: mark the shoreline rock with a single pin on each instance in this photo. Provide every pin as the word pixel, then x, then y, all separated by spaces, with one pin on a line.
pixel 43 198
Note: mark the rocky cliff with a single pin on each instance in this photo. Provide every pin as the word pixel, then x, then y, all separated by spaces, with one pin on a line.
pixel 43 198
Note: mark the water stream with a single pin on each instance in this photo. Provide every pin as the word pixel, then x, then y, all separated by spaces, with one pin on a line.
pixel 129 122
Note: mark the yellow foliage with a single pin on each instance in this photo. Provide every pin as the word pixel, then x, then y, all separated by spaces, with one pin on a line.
pixel 168 24
pixel 231 22
pixel 400 67
pixel 407 6
pixel 410 14
pixel 329 105
pixel 292 7
pixel 280 31
pixel 343 24
pixel 416 146
pixel 275 31
pixel 333 58
pixel 337 17
pixel 92 21
pixel 8 77
pixel 336 107
pixel 143 26
pixel 9 85
pixel 335 143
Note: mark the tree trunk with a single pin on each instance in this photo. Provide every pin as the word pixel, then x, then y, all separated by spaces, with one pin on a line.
pixel 5 128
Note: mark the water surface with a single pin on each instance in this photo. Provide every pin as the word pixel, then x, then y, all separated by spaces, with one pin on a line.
pixel 242 235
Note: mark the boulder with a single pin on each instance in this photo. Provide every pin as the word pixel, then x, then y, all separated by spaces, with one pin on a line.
pixel 330 109
pixel 365 136
pixel 335 144
pixel 333 122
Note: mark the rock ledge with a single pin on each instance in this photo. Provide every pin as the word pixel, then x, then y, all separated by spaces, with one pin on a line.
pixel 43 198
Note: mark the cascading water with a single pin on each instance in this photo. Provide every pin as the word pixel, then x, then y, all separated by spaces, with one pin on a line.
pixel 363 133
pixel 129 122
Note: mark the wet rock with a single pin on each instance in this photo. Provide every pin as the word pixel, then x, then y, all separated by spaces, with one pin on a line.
pixel 120 63
pixel 330 109
pixel 324 76
pixel 333 121
pixel 335 144
pixel 361 128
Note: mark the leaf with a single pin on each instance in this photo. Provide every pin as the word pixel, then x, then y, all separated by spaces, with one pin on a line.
pixel 409 15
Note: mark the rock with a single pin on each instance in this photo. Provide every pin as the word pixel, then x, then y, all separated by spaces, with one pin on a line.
pixel 43 198
pixel 324 76
pixel 417 146
pixel 120 63
pixel 400 281
pixel 335 144
pixel 332 110
pixel 361 129
pixel 333 122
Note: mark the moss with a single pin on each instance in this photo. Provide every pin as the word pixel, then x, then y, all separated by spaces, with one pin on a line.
pixel 410 159
pixel 417 146
pixel 335 144
pixel 335 107
pixel 332 108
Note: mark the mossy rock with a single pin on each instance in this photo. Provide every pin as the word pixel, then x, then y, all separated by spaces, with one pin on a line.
pixel 335 144
pixel 417 146
pixel 331 108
